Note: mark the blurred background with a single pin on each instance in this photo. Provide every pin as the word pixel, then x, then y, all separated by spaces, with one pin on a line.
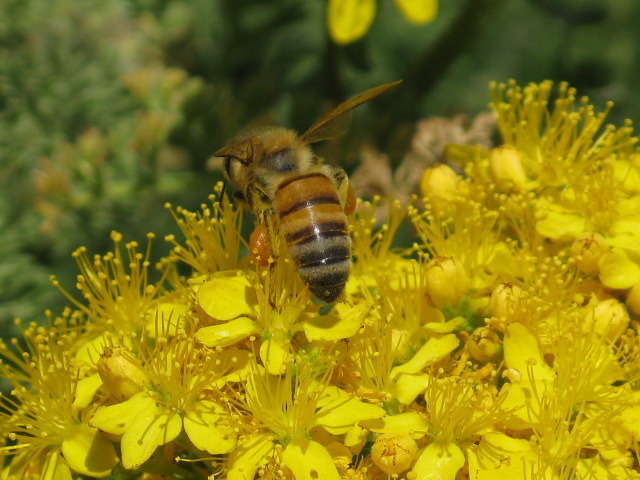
pixel 108 110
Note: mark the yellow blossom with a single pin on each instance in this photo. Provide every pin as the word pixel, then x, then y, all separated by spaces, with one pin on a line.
pixel 115 286
pixel 176 398
pixel 287 408
pixel 49 434
pixel 349 20
pixel 502 344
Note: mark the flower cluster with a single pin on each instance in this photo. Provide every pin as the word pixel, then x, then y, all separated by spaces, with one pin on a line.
pixel 503 343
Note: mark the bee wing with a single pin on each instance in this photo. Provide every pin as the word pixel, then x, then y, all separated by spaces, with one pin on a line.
pixel 337 121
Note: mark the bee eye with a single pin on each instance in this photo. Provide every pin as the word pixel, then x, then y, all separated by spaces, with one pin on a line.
pixel 227 167
pixel 281 161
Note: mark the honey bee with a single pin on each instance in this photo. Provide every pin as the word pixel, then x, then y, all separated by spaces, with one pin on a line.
pixel 278 176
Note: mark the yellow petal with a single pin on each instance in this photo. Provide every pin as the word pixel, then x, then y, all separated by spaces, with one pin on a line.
pixel 166 320
pixel 487 460
pixel 89 352
pixel 248 456
pixel 418 11
pixel 309 459
pixel 227 333
pixel 356 438
pixel 560 224
pixel 275 355
pixel 206 424
pixel 150 429
pixel 344 321
pixel 117 418
pixel 596 469
pixel 523 411
pixel 444 327
pixel 617 270
pixel 348 20
pixel 522 352
pixel 438 462
pixel 86 389
pixel 631 418
pixel 408 423
pixel 339 411
pixel 54 468
pixel 239 359
pixel 225 298
pixel 431 352
pixel 88 452
pixel 407 387
pixel 625 232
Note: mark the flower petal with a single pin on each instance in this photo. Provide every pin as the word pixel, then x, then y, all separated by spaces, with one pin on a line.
pixel 408 423
pixel 348 20
pixel 167 320
pixel 150 429
pixel 487 460
pixel 274 353
pixel 248 456
pixel 522 352
pixel 227 333
pixel 116 419
pixel 86 389
pixel 560 224
pixel 339 411
pixel 418 11
pixel 227 297
pixel 617 270
pixel 54 468
pixel 205 424
pixel 407 387
pixel 309 459
pixel 344 321
pixel 438 462
pixel 88 452
pixel 431 352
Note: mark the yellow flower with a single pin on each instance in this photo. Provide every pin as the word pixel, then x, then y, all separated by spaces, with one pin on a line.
pixel 349 20
pixel 502 344
pixel 46 419
pixel 213 236
pixel 115 286
pixel 175 397
pixel 288 408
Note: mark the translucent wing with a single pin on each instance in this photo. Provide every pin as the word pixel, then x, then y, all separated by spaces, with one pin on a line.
pixel 337 121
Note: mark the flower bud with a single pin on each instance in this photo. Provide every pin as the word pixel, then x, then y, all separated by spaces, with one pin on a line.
pixel 393 453
pixel 447 281
pixel 507 169
pixel 586 251
pixel 508 303
pixel 439 185
pixel 609 319
pixel 633 299
pixel 484 344
pixel 121 373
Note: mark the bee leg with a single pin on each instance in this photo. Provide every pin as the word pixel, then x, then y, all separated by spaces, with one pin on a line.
pixel 260 245
pixel 260 239
pixel 345 191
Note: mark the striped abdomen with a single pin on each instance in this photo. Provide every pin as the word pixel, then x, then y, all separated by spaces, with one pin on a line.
pixel 315 228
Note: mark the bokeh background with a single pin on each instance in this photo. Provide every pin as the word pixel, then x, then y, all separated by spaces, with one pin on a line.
pixel 108 110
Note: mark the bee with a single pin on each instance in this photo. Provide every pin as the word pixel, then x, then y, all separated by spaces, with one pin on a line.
pixel 277 175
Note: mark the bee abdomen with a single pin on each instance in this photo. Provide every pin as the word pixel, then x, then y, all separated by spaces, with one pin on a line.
pixel 315 228
pixel 327 280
